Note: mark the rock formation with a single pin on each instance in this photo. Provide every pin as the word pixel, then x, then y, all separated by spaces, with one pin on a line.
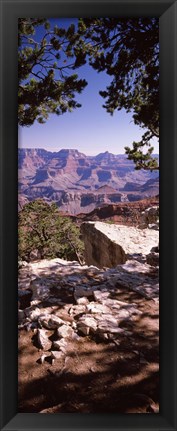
pixel 80 183
pixel 150 218
pixel 107 245
pixel 126 213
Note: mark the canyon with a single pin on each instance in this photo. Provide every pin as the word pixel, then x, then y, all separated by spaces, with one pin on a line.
pixel 80 183
pixel 88 334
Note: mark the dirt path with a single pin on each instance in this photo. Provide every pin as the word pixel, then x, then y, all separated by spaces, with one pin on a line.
pixel 113 376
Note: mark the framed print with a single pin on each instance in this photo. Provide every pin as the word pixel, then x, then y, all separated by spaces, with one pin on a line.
pixel 81 204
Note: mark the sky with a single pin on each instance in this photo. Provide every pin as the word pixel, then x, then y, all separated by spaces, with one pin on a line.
pixel 89 129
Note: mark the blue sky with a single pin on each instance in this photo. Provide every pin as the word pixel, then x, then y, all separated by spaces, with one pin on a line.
pixel 90 129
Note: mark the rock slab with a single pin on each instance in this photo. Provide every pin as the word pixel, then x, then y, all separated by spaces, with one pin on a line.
pixel 108 245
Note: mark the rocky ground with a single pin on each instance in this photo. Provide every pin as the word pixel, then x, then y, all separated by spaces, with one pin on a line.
pixel 88 337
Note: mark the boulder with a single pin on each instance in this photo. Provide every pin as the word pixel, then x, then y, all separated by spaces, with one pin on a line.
pixel 107 245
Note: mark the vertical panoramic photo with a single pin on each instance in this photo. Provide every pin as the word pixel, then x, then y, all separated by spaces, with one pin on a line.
pixel 88 215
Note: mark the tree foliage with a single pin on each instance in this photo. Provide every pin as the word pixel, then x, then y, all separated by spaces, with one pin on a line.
pixel 128 50
pixel 42 229
pixel 47 83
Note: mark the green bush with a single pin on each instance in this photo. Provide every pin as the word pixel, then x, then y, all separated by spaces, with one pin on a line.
pixel 43 230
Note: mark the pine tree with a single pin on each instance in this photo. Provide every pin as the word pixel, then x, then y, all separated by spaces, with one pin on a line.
pixel 47 83
pixel 128 50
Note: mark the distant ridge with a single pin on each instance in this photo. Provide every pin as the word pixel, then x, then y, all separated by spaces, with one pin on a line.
pixel 80 183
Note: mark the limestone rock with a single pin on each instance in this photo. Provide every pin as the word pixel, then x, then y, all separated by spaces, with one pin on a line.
pixel 100 296
pixel 77 309
pixel 50 321
pixel 112 304
pixel 137 277
pixel 109 245
pixel 35 302
pixel 33 313
pixel 63 314
pixel 65 331
pixel 43 341
pixel 82 301
pixel 100 250
pixel 107 319
pixel 60 345
pixel 95 307
pixel 107 329
pixel 136 268
pixel 108 324
pixel 87 325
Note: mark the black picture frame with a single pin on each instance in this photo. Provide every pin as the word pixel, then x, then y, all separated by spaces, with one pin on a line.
pixel 167 13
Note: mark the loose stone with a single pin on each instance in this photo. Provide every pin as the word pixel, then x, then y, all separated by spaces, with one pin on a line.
pixel 60 345
pixel 65 332
pixel 50 321
pixel 43 341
